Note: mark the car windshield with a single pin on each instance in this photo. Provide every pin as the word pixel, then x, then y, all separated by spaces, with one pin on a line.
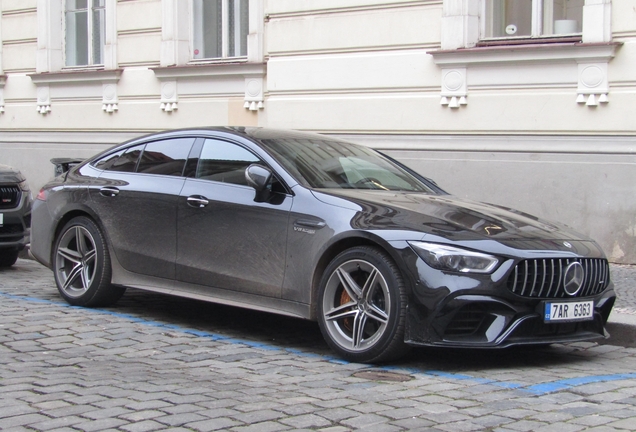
pixel 324 163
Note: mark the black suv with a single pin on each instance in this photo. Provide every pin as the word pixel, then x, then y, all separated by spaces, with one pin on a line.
pixel 15 214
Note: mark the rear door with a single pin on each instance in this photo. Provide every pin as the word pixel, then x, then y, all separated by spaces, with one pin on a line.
pixel 136 199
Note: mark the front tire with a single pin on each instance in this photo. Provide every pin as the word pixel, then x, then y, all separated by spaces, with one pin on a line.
pixel 362 306
pixel 81 265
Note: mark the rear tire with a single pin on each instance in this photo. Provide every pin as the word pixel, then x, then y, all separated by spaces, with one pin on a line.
pixel 362 306
pixel 81 265
pixel 8 258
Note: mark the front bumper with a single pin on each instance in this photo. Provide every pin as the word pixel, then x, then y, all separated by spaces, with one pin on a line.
pixel 15 232
pixel 491 322
pixel 482 311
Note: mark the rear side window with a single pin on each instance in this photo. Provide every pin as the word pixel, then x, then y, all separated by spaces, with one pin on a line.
pixel 166 157
pixel 123 161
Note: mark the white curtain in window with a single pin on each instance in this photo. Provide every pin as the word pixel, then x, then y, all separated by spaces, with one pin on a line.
pixel 220 28
pixel 85 32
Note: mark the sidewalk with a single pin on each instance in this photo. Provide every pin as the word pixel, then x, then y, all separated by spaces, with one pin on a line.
pixel 622 321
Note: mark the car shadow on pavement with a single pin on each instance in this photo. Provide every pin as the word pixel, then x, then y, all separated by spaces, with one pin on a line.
pixel 288 333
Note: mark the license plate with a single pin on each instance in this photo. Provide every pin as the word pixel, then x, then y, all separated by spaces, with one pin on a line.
pixel 570 311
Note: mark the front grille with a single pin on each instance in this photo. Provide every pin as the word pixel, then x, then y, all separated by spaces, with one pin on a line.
pixel 543 278
pixel 11 233
pixel 9 197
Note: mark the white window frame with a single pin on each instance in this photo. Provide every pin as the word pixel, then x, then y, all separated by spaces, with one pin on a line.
pixel 215 75
pixel 89 30
pixel 197 28
pixel 51 37
pixel 464 23
pixel 178 34
pixel 538 17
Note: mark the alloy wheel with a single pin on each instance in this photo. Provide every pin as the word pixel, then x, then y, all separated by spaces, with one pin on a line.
pixel 356 305
pixel 76 261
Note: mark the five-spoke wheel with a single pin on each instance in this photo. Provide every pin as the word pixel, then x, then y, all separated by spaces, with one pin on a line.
pixel 362 306
pixel 82 265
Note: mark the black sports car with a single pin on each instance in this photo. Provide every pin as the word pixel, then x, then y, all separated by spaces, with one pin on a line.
pixel 318 228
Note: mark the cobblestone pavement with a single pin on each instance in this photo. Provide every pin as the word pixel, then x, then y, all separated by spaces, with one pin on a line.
pixel 155 363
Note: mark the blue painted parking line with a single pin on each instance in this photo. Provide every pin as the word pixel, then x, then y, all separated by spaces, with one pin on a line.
pixel 535 389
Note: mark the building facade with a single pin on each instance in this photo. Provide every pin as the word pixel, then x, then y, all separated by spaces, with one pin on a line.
pixel 522 103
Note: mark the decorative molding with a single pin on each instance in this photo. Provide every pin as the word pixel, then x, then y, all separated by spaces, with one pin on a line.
pixel 3 80
pixel 110 101
pixel 108 80
pixel 254 93
pixel 169 96
pixel 44 99
pixel 454 87
pixel 250 77
pixel 592 61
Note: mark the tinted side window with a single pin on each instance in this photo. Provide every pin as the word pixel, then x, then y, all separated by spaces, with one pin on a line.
pixel 127 162
pixel 166 157
pixel 107 162
pixel 224 162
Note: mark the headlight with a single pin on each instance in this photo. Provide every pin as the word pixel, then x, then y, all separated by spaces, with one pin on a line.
pixel 24 186
pixel 449 258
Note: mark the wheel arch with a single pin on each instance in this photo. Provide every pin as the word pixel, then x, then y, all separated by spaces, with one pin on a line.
pixel 69 215
pixel 339 246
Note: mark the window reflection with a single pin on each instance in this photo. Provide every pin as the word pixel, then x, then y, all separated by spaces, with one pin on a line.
pixel 224 162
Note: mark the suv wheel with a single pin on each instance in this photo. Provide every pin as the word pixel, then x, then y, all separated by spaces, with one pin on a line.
pixel 8 258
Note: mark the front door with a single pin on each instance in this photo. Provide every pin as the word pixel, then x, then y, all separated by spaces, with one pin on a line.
pixel 225 239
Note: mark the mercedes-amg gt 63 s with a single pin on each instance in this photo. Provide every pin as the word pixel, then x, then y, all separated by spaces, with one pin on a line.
pixel 318 228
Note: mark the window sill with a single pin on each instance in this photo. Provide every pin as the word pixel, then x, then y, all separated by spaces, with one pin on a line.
pixel 537 52
pixel 220 60
pixel 207 69
pixel 76 75
pixel 530 41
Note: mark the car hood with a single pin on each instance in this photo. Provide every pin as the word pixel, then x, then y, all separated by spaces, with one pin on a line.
pixel 444 215
pixel 10 175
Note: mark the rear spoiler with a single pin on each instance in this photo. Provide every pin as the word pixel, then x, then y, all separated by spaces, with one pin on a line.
pixel 62 165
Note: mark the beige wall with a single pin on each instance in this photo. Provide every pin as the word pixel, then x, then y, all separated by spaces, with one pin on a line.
pixel 368 70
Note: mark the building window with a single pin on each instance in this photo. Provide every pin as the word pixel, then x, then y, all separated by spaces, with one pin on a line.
pixel 532 18
pixel 85 32
pixel 220 28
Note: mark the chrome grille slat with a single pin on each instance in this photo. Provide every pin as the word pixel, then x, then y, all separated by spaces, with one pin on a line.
pixel 525 278
pixel 543 278
pixel 543 271
pixel 590 276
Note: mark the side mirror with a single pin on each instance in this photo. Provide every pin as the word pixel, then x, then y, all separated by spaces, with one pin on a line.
pixel 259 177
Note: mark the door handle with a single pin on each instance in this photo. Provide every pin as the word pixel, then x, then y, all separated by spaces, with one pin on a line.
pixel 109 191
pixel 197 201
